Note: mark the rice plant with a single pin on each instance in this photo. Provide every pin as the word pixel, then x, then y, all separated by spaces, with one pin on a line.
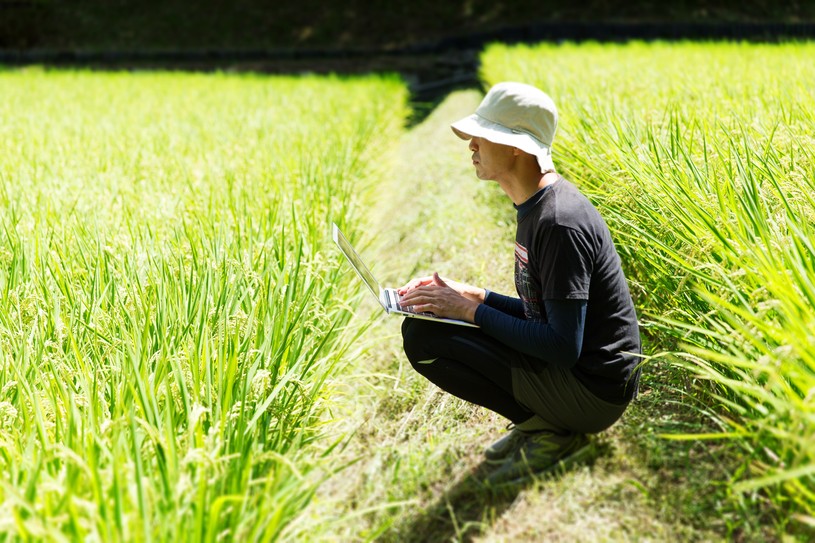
pixel 701 158
pixel 169 306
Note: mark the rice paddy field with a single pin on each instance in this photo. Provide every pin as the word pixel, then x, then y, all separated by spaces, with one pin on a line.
pixel 174 316
pixel 169 307
pixel 702 159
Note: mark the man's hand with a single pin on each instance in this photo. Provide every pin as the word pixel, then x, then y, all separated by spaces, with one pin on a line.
pixel 443 298
pixel 470 292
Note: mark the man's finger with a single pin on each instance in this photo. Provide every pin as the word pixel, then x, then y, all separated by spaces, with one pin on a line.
pixel 414 284
pixel 438 280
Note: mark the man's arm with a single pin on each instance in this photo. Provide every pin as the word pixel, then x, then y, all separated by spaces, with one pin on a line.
pixel 504 304
pixel 558 341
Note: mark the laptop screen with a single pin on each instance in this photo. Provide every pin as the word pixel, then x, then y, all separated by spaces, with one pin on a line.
pixel 356 262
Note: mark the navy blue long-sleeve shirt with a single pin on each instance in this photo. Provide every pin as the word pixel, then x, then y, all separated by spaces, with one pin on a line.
pixel 558 340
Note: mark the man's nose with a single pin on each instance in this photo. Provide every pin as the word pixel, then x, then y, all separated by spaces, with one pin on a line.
pixel 473 145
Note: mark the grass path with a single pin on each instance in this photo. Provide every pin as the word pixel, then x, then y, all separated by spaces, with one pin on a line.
pixel 413 446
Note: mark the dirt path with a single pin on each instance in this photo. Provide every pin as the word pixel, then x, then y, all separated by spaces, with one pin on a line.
pixel 414 447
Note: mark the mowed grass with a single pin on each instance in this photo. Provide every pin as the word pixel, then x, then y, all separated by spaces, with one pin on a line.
pixel 701 158
pixel 170 304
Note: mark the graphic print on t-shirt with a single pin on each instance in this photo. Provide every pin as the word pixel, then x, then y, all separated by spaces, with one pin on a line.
pixel 523 284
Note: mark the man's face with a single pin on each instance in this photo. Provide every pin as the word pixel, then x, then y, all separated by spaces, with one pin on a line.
pixel 491 160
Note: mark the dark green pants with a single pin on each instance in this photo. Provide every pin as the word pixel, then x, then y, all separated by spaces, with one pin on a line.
pixel 479 369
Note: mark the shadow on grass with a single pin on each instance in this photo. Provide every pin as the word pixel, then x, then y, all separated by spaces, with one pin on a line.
pixel 470 505
pixel 461 511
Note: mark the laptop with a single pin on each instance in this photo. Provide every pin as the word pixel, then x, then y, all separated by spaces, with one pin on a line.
pixel 388 298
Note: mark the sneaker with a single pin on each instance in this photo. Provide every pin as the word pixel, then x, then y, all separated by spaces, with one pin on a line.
pixel 539 453
pixel 506 446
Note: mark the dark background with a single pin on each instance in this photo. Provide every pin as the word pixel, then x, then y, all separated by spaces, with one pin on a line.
pixel 162 25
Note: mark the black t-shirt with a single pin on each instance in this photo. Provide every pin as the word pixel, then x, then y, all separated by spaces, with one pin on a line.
pixel 564 251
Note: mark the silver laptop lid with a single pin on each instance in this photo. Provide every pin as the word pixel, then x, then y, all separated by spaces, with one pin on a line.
pixel 356 263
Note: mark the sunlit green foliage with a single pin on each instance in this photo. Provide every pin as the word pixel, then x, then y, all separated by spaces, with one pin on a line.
pixel 702 159
pixel 170 306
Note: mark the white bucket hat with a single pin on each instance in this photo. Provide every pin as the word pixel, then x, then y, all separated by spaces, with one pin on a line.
pixel 514 114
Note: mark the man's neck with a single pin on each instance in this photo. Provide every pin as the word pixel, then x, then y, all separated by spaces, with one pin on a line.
pixel 520 190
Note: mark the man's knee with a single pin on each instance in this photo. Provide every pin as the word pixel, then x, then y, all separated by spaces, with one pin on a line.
pixel 418 339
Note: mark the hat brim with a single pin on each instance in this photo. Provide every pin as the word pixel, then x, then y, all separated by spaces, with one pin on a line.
pixel 477 126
